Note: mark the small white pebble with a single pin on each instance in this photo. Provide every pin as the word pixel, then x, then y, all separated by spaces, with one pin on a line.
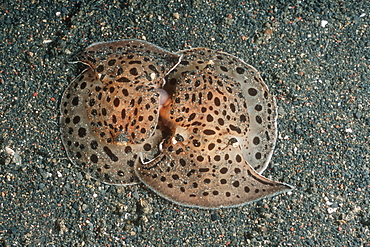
pixel 47 41
pixel 95 195
pixel 324 23
pixel 58 13
pixel 332 210
pixel 59 174
pixel 9 151
pixel 349 130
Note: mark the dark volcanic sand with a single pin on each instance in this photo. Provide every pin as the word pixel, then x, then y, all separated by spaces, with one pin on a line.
pixel 313 56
